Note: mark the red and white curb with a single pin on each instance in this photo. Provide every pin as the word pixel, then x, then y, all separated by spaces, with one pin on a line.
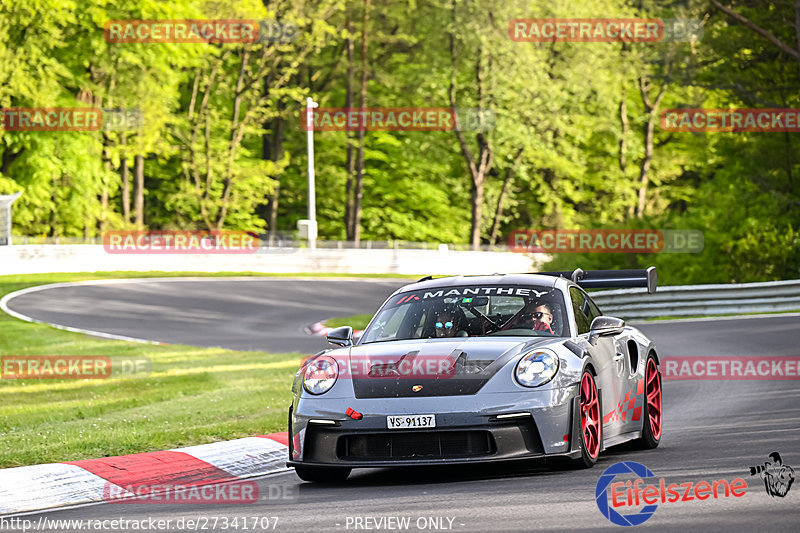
pixel 319 329
pixel 39 487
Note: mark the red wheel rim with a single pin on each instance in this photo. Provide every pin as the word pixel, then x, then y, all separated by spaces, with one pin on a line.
pixel 653 398
pixel 590 416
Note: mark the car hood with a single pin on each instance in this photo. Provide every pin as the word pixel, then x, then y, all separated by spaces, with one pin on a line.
pixel 433 367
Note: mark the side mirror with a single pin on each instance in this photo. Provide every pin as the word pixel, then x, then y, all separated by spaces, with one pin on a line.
pixel 605 325
pixel 342 336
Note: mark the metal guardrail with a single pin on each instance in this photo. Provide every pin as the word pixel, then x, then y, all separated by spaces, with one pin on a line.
pixel 694 300
pixel 290 240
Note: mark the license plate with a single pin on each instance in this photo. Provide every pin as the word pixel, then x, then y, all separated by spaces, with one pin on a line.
pixel 411 421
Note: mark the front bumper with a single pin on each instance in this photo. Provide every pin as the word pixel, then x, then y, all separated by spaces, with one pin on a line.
pixel 468 429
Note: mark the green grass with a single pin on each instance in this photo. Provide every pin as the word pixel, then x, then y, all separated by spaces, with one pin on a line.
pixel 354 321
pixel 190 396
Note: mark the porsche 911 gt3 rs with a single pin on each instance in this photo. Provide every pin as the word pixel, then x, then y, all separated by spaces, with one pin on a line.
pixel 476 369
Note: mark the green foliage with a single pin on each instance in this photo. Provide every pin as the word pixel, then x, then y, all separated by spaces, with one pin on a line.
pixel 222 135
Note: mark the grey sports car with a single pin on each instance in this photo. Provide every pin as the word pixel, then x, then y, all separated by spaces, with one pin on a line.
pixel 479 368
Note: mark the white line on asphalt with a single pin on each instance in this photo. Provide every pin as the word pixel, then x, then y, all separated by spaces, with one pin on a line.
pixel 8 297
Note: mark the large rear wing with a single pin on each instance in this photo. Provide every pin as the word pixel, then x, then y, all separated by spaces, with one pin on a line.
pixel 610 279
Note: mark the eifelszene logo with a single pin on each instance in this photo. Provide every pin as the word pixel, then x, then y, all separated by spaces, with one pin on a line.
pixel 601 494
pixel 633 493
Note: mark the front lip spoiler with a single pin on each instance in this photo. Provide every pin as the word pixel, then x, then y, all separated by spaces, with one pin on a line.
pixel 434 462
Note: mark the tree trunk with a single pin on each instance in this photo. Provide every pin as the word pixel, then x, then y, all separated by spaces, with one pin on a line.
pixel 272 149
pixel 644 169
pixel 764 33
pixel 104 208
pixel 498 212
pixel 138 171
pixel 104 193
pixel 623 139
pixel 651 108
pixel 623 145
pixel 477 169
pixel 359 185
pixel 234 139
pixel 8 158
pixel 126 186
pixel 350 161
pixel 54 200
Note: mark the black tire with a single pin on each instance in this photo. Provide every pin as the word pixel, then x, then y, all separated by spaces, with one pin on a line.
pixel 649 440
pixel 586 460
pixel 322 474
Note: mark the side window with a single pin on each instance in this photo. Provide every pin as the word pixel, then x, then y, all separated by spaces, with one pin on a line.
pixel 578 306
pixel 388 323
pixel 418 325
pixel 593 310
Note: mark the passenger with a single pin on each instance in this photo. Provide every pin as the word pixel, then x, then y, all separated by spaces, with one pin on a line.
pixel 448 324
pixel 444 325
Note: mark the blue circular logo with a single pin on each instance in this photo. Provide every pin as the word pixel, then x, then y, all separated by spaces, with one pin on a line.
pixel 601 494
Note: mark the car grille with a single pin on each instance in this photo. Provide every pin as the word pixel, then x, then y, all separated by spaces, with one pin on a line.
pixel 416 445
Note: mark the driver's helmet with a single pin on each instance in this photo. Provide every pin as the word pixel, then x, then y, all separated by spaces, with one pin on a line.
pixel 456 315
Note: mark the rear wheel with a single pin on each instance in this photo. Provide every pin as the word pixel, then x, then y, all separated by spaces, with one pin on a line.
pixel 591 425
pixel 652 425
pixel 322 474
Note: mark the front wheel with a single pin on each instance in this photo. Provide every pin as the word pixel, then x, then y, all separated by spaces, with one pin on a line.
pixel 652 424
pixel 322 474
pixel 591 424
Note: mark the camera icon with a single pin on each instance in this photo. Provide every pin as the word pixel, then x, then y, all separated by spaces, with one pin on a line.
pixel 777 477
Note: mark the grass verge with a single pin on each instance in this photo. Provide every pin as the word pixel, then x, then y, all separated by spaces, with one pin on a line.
pixel 191 395
pixel 354 321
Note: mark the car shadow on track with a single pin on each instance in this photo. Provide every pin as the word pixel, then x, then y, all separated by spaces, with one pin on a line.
pixel 427 475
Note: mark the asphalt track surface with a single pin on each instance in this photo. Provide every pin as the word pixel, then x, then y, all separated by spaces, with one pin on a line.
pixel 713 429
pixel 242 314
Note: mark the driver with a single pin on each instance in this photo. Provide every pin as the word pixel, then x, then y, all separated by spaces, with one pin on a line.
pixel 537 315
pixel 543 318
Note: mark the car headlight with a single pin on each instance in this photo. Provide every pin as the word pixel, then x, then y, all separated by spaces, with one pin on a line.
pixel 320 374
pixel 536 368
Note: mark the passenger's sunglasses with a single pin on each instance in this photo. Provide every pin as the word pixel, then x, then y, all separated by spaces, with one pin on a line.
pixel 539 314
pixel 446 325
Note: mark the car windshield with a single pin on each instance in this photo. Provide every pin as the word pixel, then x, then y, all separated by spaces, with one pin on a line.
pixel 470 311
